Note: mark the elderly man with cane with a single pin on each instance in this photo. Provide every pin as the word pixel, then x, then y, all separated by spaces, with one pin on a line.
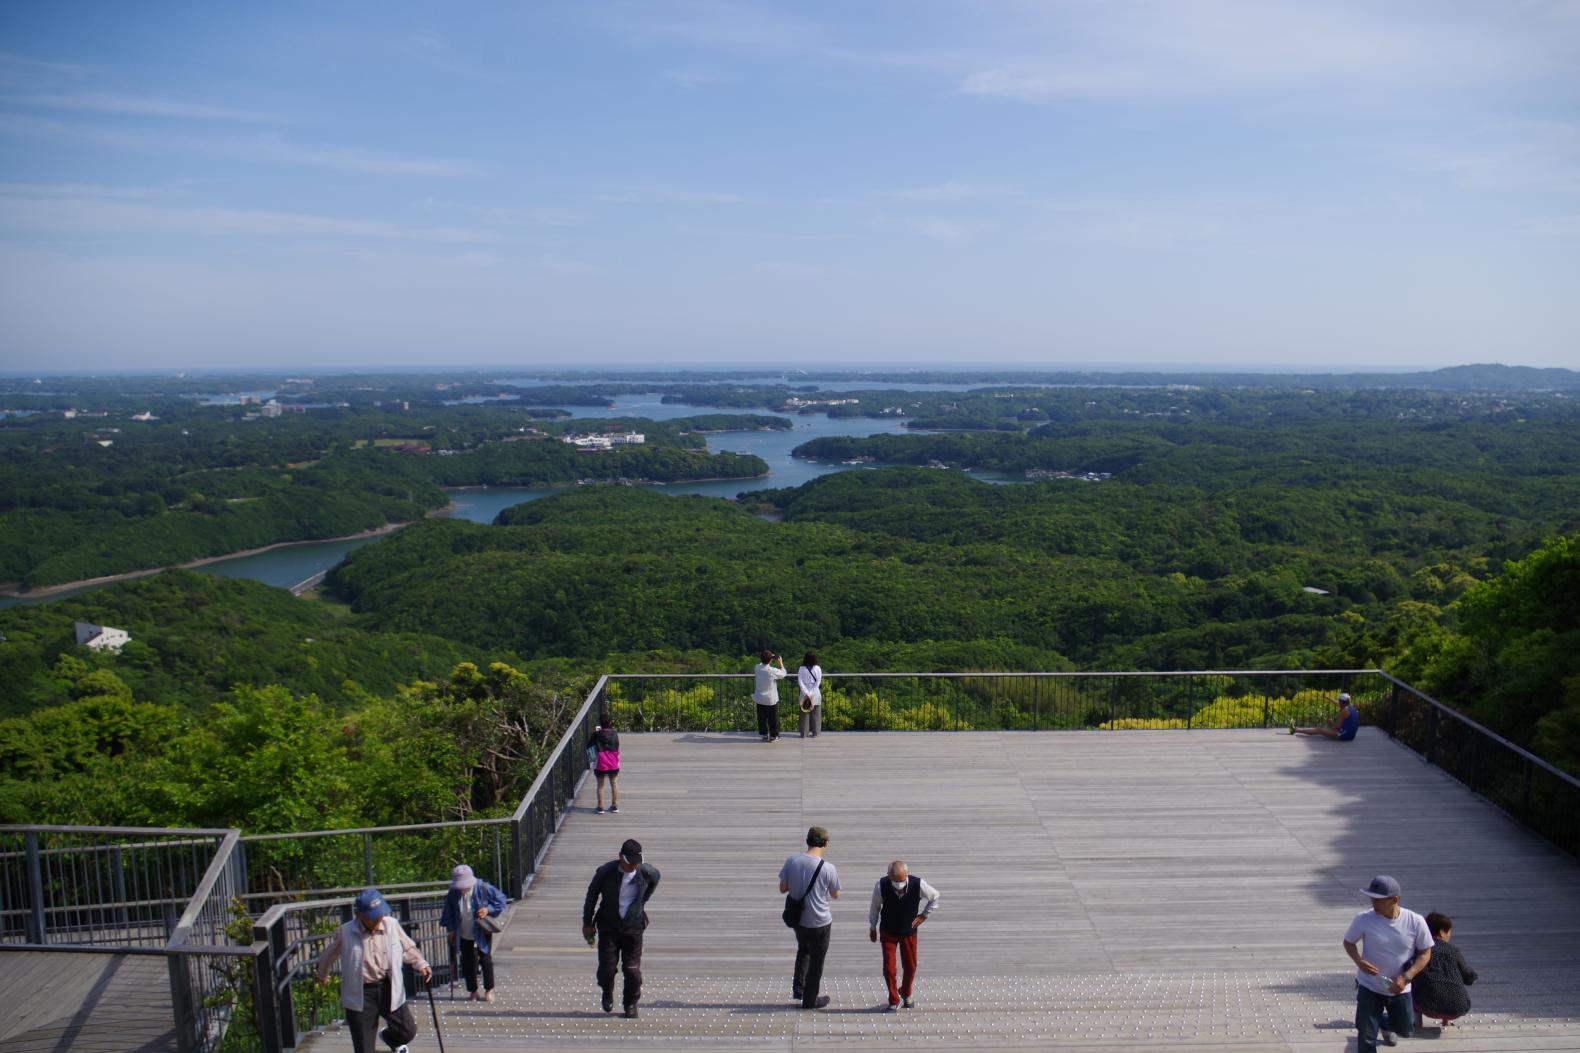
pixel 370 949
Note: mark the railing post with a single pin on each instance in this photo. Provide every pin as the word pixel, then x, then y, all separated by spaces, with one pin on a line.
pixel 270 1015
pixel 273 966
pixel 118 884
pixel 1190 703
pixel 367 858
pixel 37 932
pixel 1393 710
pixel 518 867
pixel 1430 747
pixel 181 1006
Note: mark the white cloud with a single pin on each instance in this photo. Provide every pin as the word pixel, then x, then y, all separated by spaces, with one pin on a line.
pixel 669 196
pixel 1164 49
pixel 261 149
pixel 695 78
pixel 1525 156
pixel 946 230
pixel 790 269
pixel 1153 223
pixel 1557 227
pixel 140 106
pixel 948 192
pixel 75 213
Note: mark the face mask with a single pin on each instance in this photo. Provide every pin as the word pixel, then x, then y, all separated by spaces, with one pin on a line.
pixel 899 886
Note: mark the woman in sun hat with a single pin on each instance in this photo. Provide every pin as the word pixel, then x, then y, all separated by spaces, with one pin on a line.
pixel 468 900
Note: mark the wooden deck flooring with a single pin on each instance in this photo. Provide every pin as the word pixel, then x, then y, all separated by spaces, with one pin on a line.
pixel 1133 890
pixel 53 1001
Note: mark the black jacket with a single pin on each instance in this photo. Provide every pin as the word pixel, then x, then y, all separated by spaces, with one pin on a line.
pixel 603 898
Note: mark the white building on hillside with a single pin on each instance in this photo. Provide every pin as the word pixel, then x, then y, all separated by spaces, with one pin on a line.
pixel 101 637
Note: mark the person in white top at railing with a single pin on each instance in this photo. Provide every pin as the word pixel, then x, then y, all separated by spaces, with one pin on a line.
pixel 810 679
pixel 370 948
pixel 768 672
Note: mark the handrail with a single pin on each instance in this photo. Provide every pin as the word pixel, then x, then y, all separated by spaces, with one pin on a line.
pixel 221 862
pixel 1012 674
pixel 547 769
pixel 444 825
pixel 1524 753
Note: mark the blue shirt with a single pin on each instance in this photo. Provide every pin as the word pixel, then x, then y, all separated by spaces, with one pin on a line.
pixel 1351 723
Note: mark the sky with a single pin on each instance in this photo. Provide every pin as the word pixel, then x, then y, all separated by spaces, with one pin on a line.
pixel 1258 184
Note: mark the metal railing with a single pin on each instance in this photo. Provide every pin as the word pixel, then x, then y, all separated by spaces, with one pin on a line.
pixel 1000 701
pixel 1528 788
pixel 99 885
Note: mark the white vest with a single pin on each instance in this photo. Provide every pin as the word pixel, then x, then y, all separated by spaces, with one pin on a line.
pixel 352 936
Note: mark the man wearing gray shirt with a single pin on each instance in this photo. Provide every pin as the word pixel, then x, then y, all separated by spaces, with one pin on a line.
pixel 811 878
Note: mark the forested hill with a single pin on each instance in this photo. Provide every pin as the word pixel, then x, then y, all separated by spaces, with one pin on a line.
pixel 1149 579
pixel 195 637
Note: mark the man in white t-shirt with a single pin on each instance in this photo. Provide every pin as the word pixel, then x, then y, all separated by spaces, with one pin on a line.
pixel 1389 946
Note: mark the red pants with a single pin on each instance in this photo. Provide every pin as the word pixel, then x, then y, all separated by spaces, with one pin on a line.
pixel 906 945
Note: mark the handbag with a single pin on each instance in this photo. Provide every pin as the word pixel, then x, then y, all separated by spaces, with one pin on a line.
pixel 492 924
pixel 793 905
pixel 592 756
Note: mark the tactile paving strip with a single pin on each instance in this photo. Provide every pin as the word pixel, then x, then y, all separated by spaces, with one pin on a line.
pixel 1151 1008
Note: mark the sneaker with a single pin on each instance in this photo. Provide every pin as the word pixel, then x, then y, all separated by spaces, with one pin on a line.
pixel 630 1011
pixel 608 1003
pixel 910 1004
pixel 1387 1038
pixel 1291 727
pixel 402 1049
pixel 892 1007
pixel 614 809
pixel 822 1001
pixel 598 810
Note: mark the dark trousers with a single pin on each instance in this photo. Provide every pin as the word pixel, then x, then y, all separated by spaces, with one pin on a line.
pixel 469 957
pixel 1370 1008
pixel 768 721
pixel 363 1023
pixel 811 948
pixel 906 946
pixel 622 952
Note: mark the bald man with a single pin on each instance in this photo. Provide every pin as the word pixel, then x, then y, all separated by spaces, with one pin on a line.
pixel 901 902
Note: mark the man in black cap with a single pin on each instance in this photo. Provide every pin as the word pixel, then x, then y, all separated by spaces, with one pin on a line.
pixel 616 907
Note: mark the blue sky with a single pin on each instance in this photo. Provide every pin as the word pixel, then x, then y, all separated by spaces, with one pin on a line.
pixel 1247 183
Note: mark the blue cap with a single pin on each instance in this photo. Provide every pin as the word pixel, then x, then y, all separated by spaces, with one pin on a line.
pixel 371 904
pixel 1382 887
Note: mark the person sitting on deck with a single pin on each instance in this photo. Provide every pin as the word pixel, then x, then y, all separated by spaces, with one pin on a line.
pixel 1343 729
pixel 1439 990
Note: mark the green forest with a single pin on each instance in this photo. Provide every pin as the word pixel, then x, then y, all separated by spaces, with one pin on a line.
pixel 1434 536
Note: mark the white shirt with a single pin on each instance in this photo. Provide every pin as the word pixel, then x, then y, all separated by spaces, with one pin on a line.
pixel 468 929
pixel 768 677
pixel 1388 943
pixel 811 681
pixel 627 890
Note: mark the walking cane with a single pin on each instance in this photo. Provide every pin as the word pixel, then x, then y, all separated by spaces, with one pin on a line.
pixel 433 1006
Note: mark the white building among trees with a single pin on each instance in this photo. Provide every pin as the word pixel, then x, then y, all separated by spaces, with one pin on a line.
pixel 101 637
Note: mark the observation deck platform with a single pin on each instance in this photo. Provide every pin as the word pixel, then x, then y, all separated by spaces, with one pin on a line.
pixel 1140 890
